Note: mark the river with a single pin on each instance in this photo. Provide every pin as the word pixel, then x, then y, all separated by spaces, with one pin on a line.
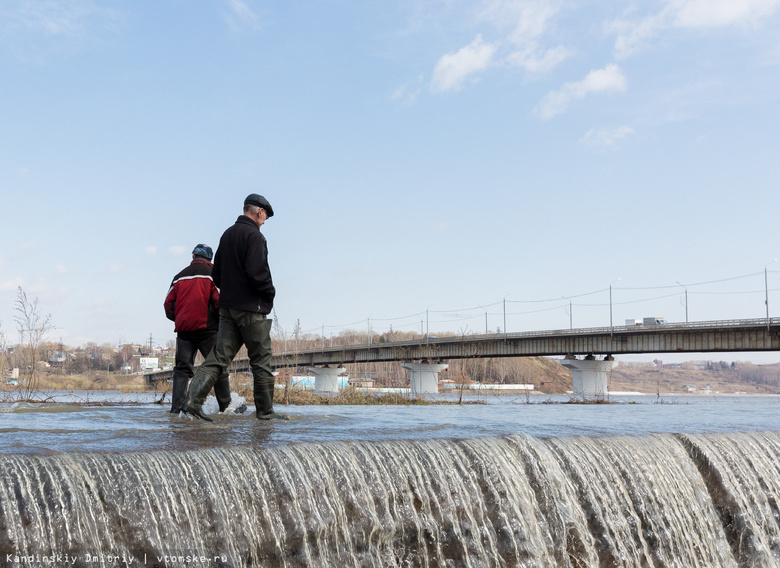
pixel 515 481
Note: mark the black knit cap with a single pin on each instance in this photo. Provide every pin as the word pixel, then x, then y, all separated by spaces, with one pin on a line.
pixel 260 201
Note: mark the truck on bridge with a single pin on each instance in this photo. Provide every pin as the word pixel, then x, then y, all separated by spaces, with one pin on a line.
pixel 646 321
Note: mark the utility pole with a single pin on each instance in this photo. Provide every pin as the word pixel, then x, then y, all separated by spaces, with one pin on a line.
pixel 504 318
pixel 686 301
pixel 766 292
pixel 611 327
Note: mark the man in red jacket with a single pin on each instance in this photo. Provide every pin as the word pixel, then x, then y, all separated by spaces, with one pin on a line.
pixel 192 304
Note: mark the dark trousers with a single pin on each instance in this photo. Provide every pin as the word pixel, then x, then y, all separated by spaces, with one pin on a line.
pixel 188 343
pixel 236 328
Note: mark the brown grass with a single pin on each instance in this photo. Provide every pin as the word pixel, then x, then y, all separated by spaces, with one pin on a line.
pixel 348 396
pixel 240 384
pixel 45 384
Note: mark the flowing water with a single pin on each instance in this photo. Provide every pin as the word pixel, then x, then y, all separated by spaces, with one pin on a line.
pixel 691 482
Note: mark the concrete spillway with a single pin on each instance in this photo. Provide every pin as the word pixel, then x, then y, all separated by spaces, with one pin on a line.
pixel 662 500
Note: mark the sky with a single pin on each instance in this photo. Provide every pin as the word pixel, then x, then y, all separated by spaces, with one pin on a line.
pixel 439 165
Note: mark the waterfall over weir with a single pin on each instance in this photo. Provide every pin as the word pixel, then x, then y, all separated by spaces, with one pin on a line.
pixel 661 500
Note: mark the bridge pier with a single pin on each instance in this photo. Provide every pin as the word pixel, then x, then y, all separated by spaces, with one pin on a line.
pixel 326 379
pixel 589 376
pixel 424 377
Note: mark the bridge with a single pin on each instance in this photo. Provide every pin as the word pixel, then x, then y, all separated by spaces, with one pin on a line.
pixel 425 357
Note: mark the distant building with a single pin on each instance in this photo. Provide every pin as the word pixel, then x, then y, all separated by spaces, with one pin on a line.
pixel 58 358
pixel 148 363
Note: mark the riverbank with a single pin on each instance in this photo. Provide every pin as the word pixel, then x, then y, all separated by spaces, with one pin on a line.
pixel 548 379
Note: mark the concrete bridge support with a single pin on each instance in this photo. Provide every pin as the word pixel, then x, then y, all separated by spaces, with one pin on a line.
pixel 326 379
pixel 424 377
pixel 589 376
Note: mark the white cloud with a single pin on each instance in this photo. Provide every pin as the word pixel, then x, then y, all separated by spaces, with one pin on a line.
pixel 529 21
pixel 633 37
pixel 702 14
pixel 46 17
pixel 534 61
pixel 520 26
pixel 453 69
pixel 607 80
pixel 12 284
pixel 177 250
pixel 24 23
pixel 522 22
pixel 115 268
pixel 60 270
pixel 240 15
pixel 150 251
pixel 606 137
pixel 407 94
pixel 719 13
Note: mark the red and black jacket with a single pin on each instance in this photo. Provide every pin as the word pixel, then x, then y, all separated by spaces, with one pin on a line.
pixel 193 298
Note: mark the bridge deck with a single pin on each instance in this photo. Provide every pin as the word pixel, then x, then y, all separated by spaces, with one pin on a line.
pixel 698 337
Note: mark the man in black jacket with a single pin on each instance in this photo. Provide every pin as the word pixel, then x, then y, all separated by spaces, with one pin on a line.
pixel 247 294
pixel 191 303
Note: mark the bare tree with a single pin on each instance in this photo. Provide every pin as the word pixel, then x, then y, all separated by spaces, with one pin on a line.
pixel 297 336
pixel 3 358
pixel 33 327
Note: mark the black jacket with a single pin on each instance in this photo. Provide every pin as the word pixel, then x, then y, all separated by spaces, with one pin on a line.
pixel 241 269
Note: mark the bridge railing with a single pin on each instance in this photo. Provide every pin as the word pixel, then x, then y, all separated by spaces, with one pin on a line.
pixel 621 329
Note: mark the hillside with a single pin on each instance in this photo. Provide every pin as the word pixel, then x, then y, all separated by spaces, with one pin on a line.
pixel 549 376
pixel 743 378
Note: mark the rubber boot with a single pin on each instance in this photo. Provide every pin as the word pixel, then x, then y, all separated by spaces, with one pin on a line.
pixel 222 392
pixel 199 390
pixel 179 394
pixel 264 402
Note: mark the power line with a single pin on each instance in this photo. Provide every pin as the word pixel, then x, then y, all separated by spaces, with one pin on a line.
pixel 463 314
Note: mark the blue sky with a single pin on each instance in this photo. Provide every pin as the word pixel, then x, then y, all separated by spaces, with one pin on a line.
pixel 426 160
